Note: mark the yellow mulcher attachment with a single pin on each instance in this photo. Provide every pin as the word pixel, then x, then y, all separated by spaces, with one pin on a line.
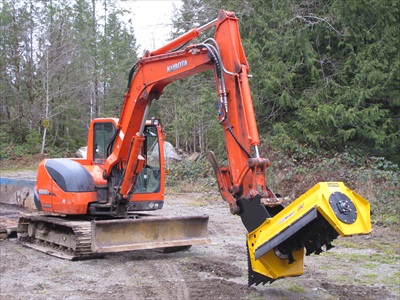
pixel 276 248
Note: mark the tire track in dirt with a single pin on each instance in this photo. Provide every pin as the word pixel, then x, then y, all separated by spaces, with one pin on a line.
pixel 176 281
pixel 156 275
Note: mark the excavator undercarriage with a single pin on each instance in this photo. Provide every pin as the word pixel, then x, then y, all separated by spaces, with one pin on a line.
pixel 77 239
pixel 56 236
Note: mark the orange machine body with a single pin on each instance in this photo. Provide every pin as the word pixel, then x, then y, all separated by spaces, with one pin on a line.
pixel 59 196
pixel 69 186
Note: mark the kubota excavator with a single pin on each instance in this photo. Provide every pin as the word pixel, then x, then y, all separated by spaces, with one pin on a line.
pixel 124 173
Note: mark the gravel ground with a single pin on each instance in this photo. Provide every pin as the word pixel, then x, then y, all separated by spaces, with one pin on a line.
pixel 361 267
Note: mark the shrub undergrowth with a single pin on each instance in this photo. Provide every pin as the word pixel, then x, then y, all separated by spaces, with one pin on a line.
pixel 296 168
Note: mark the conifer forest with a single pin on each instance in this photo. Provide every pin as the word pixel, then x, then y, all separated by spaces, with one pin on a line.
pixel 325 74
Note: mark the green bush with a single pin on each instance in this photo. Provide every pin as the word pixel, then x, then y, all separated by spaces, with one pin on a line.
pixel 190 171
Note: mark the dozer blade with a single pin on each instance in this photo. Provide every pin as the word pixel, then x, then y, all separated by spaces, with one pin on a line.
pixel 276 248
pixel 148 233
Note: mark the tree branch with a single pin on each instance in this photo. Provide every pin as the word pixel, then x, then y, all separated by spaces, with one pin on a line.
pixel 308 19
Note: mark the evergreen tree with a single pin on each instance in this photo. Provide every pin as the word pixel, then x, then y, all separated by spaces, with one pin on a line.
pixel 118 50
pixel 326 73
pixel 189 108
pixel 54 67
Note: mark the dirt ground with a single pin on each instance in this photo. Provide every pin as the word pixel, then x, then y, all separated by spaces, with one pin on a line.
pixel 362 267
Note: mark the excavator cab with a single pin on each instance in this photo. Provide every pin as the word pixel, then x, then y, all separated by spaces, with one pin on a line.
pixel 148 186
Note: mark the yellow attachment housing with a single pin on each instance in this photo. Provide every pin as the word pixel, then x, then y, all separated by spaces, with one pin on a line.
pixel 314 219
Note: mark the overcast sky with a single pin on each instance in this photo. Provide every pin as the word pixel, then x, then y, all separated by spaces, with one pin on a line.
pixel 151 20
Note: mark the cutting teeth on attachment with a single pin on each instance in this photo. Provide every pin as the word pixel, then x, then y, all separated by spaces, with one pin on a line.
pixel 309 224
pixel 255 277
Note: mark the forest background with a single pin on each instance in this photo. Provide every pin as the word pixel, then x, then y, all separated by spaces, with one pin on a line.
pixel 325 84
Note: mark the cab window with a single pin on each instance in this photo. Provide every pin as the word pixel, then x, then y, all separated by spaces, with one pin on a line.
pixel 103 135
pixel 148 181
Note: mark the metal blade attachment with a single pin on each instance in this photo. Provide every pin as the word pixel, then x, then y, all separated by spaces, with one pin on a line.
pixel 148 233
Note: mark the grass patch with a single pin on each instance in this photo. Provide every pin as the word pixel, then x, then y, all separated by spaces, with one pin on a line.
pixel 255 296
pixel 370 276
pixel 369 265
pixel 367 261
pixel 393 280
pixel 357 279
pixel 333 254
pixel 296 288
pixel 356 258
pixel 348 243
pixel 386 248
pixel 371 258
pixel 384 259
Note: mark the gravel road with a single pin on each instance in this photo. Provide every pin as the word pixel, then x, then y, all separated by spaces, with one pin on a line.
pixel 362 267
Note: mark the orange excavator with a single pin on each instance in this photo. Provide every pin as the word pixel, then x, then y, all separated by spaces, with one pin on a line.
pixel 94 201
